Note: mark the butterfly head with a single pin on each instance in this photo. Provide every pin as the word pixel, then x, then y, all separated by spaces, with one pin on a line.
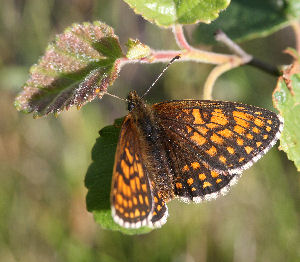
pixel 133 100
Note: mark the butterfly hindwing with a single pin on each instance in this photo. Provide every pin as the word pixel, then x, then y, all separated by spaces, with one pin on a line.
pixel 131 196
pixel 194 179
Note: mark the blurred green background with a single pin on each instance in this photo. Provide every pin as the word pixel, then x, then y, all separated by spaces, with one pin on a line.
pixel 43 162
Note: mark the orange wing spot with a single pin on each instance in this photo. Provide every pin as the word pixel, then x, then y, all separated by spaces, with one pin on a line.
pixel 121 210
pixel 195 165
pixel 269 122
pixel 248 149
pixel 144 187
pixel 225 133
pixel 255 130
pixel 126 190
pixel 125 203
pixel 120 182
pixel 131 170
pixel 258 113
pixel 241 159
pixel 240 107
pixel 190 181
pixel 268 128
pixel 153 214
pixel 135 202
pixel 136 157
pixel 198 119
pixel 242 122
pixel 178 185
pixel 200 140
pixel 218 180
pixel 141 172
pixel 206 184
pixel 126 214
pixel 158 207
pixel 217 139
pixel 202 176
pixel 131 215
pixel 230 150
pixel 141 199
pixel 222 159
pixel 240 141
pixel 258 122
pixel 185 168
pixel 214 174
pixel 146 200
pixel 212 151
pixel 130 204
pixel 205 165
pixel 212 125
pixel 125 169
pixel 203 130
pixel 193 189
pixel 137 213
pixel 189 129
pixel 132 185
pixel 129 156
pixel 219 117
pixel 258 144
pixel 119 199
pixel 249 136
pixel 144 213
pixel 242 115
pixel 265 136
pixel 239 129
pixel 138 183
pixel 155 199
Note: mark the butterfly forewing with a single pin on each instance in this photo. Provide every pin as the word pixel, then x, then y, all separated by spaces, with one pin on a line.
pixel 131 196
pixel 227 136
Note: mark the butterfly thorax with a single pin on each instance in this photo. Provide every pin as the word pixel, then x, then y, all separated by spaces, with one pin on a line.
pixel 154 153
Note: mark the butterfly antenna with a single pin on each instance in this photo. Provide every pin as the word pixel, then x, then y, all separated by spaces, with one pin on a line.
pixel 160 75
pixel 116 97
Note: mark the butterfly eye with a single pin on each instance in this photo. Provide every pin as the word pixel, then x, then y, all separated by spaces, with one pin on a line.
pixel 130 106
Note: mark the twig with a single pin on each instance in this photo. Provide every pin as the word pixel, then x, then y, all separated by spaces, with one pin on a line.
pixel 270 69
pixel 236 49
pixel 213 76
pixel 248 59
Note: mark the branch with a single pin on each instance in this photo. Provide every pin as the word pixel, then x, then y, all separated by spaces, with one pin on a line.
pixel 249 59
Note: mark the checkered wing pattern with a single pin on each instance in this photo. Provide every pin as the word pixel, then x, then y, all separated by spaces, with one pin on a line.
pixel 131 195
pixel 228 137
pixel 160 209
pixel 210 143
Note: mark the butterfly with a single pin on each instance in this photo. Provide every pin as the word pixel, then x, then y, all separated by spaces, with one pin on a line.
pixel 190 149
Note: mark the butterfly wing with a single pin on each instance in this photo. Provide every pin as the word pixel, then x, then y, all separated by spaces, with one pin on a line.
pixel 227 136
pixel 210 143
pixel 131 194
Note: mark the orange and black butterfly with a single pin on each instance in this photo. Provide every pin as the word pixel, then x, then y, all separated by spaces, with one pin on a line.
pixel 191 149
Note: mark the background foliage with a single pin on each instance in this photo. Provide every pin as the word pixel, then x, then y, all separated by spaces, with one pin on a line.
pixel 43 162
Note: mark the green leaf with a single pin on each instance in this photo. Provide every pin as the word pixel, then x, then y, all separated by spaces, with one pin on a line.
pixel 170 12
pixel 98 179
pixel 286 99
pixel 244 19
pixel 137 50
pixel 76 68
